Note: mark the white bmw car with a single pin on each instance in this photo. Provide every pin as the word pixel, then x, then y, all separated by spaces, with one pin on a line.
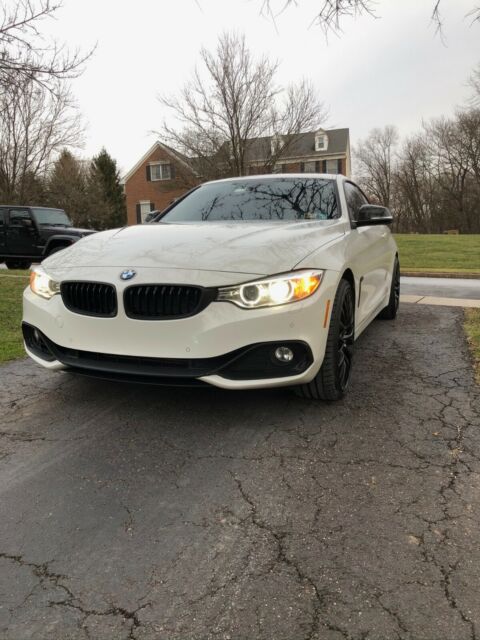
pixel 251 282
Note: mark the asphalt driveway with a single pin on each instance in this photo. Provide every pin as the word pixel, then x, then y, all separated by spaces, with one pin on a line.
pixel 149 513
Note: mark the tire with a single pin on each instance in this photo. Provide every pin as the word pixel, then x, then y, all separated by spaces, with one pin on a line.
pixel 390 311
pixel 56 249
pixel 18 264
pixel 331 382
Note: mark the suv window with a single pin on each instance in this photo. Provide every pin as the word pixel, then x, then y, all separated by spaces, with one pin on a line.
pixel 52 217
pixel 2 217
pixel 355 199
pixel 17 216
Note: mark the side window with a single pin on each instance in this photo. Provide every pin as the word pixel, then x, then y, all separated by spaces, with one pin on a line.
pixel 18 217
pixel 355 199
pixel 2 219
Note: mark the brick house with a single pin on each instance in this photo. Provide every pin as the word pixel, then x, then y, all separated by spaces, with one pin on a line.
pixel 159 177
pixel 163 174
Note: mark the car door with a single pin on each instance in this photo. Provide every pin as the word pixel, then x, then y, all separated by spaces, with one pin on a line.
pixel 370 257
pixel 21 233
pixel 3 226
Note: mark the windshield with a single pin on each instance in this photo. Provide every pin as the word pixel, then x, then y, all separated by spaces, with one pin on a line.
pixel 265 199
pixel 54 217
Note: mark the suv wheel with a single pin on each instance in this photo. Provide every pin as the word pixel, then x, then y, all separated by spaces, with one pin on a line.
pixel 18 264
pixel 57 248
pixel 331 382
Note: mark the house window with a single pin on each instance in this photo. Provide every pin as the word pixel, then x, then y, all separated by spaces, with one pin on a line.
pixel 321 142
pixel 160 171
pixel 309 167
pixel 332 166
pixel 145 208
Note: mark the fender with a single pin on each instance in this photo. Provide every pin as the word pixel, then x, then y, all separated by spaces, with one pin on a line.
pixel 59 239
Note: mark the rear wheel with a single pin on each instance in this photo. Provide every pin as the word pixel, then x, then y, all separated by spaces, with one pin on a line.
pixel 390 311
pixel 331 382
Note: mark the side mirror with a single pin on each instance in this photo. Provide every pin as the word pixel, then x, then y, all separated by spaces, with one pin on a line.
pixel 369 214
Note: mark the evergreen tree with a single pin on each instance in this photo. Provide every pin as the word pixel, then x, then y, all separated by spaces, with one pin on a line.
pixel 67 188
pixel 105 184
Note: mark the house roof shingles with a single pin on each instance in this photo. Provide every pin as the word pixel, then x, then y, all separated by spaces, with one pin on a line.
pixel 301 145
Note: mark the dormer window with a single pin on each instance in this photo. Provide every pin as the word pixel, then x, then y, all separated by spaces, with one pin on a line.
pixel 276 144
pixel 321 141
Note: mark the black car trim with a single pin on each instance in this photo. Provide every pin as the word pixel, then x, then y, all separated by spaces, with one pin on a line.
pixel 82 312
pixel 207 295
pixel 162 381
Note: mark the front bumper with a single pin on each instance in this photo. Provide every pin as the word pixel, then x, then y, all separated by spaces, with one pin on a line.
pixel 203 347
pixel 256 361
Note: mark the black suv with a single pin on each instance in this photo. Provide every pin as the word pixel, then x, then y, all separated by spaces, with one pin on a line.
pixel 30 234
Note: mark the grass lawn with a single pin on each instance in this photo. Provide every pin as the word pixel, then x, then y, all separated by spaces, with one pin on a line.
pixel 472 327
pixel 11 289
pixel 437 252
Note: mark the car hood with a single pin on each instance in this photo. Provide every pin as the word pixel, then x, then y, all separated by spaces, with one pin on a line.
pixel 258 248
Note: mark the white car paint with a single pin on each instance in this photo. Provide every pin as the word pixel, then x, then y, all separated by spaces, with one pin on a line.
pixel 215 254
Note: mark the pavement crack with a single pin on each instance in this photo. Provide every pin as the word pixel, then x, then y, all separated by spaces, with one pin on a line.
pixel 281 557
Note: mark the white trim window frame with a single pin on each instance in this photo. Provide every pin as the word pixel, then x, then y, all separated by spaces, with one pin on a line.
pixel 160 171
pixel 321 142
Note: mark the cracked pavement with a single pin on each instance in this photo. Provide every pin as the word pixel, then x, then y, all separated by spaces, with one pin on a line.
pixel 132 512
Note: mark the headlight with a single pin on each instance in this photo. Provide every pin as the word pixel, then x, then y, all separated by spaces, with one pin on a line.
pixel 42 284
pixel 281 289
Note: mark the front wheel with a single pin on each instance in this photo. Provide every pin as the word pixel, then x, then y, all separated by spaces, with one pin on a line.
pixel 390 311
pixel 331 382
pixel 56 249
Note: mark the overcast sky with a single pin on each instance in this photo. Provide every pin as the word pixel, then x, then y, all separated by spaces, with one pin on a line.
pixel 389 70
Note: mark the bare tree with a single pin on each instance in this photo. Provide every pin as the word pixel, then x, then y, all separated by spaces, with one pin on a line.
pixel 330 13
pixel 415 189
pixel 24 52
pixel 232 101
pixel 34 125
pixel 468 125
pixel 450 147
pixel 374 163
pixel 474 82
pixel 437 176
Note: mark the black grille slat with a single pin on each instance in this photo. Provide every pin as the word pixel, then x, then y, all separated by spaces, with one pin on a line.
pixel 161 301
pixel 90 298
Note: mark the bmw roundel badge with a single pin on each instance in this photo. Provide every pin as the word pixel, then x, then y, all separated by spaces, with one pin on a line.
pixel 128 274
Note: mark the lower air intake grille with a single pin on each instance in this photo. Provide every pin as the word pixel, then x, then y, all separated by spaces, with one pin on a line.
pixel 90 298
pixel 165 301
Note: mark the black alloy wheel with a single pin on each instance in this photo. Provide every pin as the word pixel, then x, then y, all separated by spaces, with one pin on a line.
pixel 332 380
pixel 391 310
pixel 345 342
